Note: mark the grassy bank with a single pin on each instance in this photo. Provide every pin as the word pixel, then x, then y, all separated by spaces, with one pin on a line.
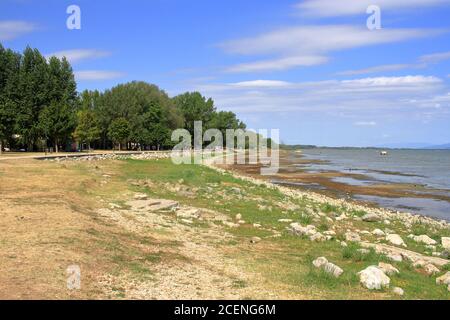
pixel 124 254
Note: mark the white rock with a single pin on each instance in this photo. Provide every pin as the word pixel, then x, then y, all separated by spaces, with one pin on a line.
pixel 378 233
pixel 285 220
pixel 371 217
pixel 387 222
pixel 446 242
pixel 398 291
pixel 424 239
pixel 395 239
pixel 333 269
pixel 318 237
pixel 140 196
pixel 395 257
pixel 352 237
pixel 328 267
pixel 445 279
pixel 431 269
pixel 388 269
pixel 373 278
pixel 238 216
pixel 255 240
pixel 319 262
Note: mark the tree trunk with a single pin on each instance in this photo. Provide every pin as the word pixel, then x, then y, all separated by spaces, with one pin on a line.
pixel 120 146
pixel 56 146
pixel 1 147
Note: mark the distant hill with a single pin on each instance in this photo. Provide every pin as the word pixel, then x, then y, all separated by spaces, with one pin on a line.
pixel 441 146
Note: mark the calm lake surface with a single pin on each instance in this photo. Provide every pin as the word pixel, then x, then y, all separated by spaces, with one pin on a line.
pixel 430 168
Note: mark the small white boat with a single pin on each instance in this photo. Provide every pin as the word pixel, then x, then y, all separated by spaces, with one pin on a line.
pixel 384 153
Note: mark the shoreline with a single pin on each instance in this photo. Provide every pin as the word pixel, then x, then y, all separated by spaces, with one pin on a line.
pixel 351 204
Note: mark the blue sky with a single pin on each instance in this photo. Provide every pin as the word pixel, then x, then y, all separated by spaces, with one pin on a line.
pixel 309 68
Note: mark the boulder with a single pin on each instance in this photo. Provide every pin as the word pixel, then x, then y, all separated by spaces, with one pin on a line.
pixel 430 269
pixel 371 217
pixel 424 239
pixel 446 242
pixel 395 257
pixel 388 269
pixel 352 237
pixel 374 278
pixel 395 239
pixel 152 205
pixel 445 279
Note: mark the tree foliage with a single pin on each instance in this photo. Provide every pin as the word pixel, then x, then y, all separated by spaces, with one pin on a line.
pixel 40 107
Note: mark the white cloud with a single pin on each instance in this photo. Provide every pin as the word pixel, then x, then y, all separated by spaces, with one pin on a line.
pixel 377 69
pixel 76 55
pixel 304 40
pixel 365 123
pixel 308 45
pixel 372 98
pixel 422 62
pixel 394 81
pixel 435 57
pixel 261 84
pixel 10 30
pixel 96 75
pixel 277 64
pixel 333 8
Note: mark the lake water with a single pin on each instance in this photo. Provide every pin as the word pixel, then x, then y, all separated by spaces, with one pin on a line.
pixel 430 168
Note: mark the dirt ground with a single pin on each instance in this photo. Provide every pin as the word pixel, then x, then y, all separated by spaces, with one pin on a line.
pixel 50 220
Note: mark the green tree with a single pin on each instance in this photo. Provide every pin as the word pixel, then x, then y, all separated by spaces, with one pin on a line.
pixel 119 131
pixel 88 129
pixel 56 123
pixel 195 107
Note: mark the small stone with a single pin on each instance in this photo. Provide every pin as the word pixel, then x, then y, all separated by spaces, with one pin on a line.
pixel 352 237
pixel 398 291
pixel 395 239
pixel 378 233
pixel 319 262
pixel 285 220
pixel 255 240
pixel 318 237
pixel 371 217
pixel 388 269
pixel 344 244
pixel 256 225
pixel 333 270
pixel 387 222
pixel 140 196
pixel 239 216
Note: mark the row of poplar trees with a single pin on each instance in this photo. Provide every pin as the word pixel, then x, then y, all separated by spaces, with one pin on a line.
pixel 40 108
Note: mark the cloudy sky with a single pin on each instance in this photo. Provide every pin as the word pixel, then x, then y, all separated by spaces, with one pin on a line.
pixel 310 68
